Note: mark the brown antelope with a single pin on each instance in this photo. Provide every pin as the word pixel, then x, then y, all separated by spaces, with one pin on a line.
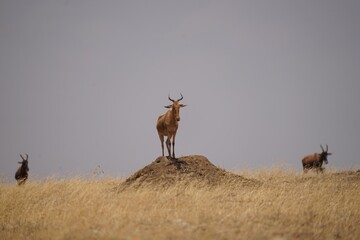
pixel 22 173
pixel 316 160
pixel 167 125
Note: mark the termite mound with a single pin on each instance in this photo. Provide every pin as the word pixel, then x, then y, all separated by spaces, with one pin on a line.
pixel 186 170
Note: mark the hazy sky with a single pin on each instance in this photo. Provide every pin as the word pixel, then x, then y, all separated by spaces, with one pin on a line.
pixel 83 82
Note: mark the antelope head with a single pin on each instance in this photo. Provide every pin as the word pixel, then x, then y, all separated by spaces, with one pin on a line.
pixel 175 107
pixel 24 163
pixel 324 153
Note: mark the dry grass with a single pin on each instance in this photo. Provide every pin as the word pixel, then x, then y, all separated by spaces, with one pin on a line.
pixel 286 205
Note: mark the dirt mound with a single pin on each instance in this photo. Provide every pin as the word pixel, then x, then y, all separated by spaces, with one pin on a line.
pixel 164 172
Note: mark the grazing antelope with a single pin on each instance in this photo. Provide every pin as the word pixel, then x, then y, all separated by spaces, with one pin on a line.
pixel 22 173
pixel 167 125
pixel 316 160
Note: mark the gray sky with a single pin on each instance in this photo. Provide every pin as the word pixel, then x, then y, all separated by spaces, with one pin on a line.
pixel 83 82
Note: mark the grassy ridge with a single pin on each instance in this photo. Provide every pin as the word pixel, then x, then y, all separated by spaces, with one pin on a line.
pixel 285 206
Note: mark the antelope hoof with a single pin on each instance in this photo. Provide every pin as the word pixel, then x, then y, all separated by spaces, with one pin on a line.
pixel 171 158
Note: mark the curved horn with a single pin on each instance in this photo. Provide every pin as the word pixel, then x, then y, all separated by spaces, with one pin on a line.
pixel 171 99
pixel 180 98
pixel 327 148
pixel 27 157
pixel 322 148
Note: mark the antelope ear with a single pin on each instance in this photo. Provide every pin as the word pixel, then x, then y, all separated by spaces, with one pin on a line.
pixel 182 105
pixel 19 162
pixel 329 154
pixel 168 106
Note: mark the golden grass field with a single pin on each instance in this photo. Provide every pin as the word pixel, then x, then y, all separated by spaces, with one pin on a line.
pixel 285 205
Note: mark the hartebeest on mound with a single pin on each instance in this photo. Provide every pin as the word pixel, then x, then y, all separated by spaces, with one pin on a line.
pixel 167 125
pixel 316 160
pixel 22 173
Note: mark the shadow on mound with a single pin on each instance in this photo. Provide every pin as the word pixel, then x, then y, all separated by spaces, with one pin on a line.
pixel 185 170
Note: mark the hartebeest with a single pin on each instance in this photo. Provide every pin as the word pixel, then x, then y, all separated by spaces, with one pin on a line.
pixel 316 160
pixel 22 173
pixel 167 125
